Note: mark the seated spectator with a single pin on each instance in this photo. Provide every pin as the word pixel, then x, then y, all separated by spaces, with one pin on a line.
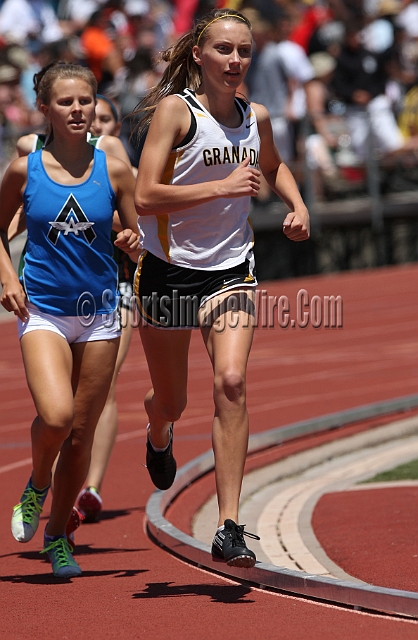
pixel 360 82
pixel 327 146
pixel 323 140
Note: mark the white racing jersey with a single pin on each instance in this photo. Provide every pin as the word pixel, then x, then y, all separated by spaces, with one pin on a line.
pixel 217 234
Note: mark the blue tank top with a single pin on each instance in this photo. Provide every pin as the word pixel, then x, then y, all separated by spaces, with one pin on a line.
pixel 69 269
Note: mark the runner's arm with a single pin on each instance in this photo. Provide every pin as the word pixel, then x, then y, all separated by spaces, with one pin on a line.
pixel 13 297
pixel 280 179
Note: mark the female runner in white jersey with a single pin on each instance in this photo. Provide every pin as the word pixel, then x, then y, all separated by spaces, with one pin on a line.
pixel 70 191
pixel 200 166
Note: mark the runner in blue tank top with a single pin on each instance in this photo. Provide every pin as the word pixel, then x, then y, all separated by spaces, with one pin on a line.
pixel 105 129
pixel 66 301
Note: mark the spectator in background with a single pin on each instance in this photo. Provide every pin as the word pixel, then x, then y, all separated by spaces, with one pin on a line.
pixel 360 82
pixel 184 11
pixel 66 49
pixel 378 34
pixel 281 76
pixel 16 116
pixel 29 22
pixel 161 14
pixel 102 55
pixel 78 13
pixel 138 24
pixel 261 33
pixel 7 134
pixel 280 81
pixel 322 141
pixel 327 37
pixel 312 18
pixel 149 26
pixel 408 18
pixel 15 109
pixel 402 69
pixel 141 77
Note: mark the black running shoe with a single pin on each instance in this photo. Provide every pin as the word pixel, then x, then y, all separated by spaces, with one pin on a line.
pixel 161 465
pixel 229 546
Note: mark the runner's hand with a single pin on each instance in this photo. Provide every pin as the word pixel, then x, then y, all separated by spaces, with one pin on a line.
pixel 243 181
pixel 13 299
pixel 296 225
pixel 127 240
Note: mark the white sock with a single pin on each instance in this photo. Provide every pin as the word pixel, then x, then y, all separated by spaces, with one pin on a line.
pixel 157 449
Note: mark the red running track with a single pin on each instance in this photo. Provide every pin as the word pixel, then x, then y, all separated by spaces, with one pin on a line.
pixel 132 589
pixel 386 516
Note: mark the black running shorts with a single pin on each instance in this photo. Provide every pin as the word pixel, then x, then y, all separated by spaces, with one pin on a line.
pixel 169 297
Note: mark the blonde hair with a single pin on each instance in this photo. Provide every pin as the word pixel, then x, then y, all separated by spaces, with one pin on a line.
pixel 181 71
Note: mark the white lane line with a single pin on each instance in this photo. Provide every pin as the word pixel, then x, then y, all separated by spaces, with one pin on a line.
pixel 15 465
pixel 121 437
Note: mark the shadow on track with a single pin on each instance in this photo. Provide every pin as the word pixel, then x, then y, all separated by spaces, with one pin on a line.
pixel 81 550
pixel 228 594
pixel 48 578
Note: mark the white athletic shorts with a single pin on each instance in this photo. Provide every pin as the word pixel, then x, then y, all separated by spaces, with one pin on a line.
pixel 71 328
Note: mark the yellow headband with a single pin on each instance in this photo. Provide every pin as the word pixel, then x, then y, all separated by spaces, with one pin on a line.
pixel 226 15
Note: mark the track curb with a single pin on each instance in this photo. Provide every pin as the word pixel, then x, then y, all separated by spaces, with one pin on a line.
pixel 265 575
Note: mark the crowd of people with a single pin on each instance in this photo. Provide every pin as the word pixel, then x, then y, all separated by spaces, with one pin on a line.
pixel 206 110
pixel 338 77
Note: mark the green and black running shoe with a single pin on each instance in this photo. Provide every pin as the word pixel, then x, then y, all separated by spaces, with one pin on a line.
pixel 26 514
pixel 63 563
